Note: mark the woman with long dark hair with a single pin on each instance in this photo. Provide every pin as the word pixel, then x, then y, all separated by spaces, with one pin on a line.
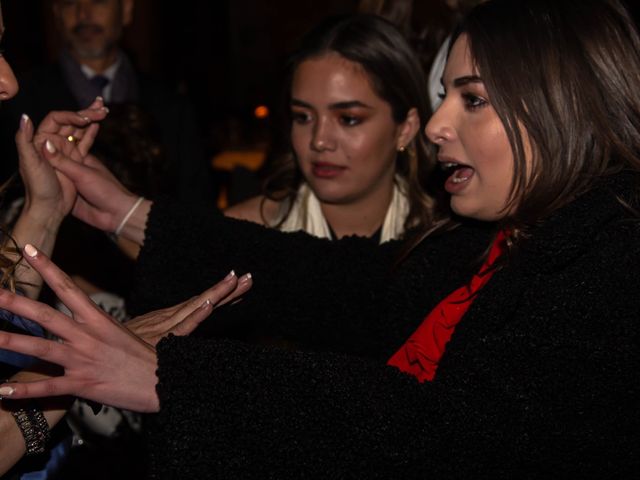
pixel 357 163
pixel 502 346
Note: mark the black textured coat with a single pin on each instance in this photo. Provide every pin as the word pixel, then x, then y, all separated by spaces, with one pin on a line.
pixel 539 380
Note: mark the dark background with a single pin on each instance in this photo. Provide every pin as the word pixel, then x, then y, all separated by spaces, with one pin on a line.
pixel 226 55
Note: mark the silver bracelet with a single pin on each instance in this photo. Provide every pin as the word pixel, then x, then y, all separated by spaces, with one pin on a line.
pixel 34 427
pixel 128 216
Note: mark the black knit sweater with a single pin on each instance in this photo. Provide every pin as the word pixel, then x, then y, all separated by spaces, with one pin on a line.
pixel 538 381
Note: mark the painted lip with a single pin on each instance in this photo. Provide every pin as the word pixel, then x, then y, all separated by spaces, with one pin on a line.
pixel 326 169
pixel 461 174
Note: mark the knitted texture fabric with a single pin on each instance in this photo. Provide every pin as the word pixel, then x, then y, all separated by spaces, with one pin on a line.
pixel 538 381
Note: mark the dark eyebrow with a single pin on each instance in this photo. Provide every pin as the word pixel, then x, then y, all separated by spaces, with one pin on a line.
pixel 333 106
pixel 461 81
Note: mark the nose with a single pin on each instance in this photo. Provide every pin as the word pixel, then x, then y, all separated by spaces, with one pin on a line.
pixel 439 128
pixel 323 137
pixel 8 82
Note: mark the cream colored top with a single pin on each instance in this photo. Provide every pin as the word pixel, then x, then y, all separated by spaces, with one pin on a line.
pixel 306 214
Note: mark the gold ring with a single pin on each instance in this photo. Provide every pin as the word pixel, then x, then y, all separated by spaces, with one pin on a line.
pixel 72 139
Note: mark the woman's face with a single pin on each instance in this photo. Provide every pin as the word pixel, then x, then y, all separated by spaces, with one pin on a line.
pixel 8 82
pixel 343 135
pixel 472 142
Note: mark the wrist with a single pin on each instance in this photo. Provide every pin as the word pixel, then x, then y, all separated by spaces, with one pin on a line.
pixel 134 221
pixel 42 217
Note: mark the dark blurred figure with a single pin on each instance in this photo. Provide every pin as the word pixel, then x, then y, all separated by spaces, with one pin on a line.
pixel 91 64
pixel 427 24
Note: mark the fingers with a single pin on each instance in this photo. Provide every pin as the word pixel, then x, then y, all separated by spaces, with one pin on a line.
pixel 191 321
pixel 24 135
pixel 47 350
pixel 222 293
pixel 245 283
pixel 50 387
pixel 74 170
pixel 61 284
pixel 60 122
pixel 86 142
pixel 49 318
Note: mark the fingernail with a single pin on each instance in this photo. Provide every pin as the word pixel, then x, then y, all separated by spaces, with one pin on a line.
pixel 245 278
pixel 231 274
pixel 99 99
pixel 49 146
pixel 206 304
pixel 86 119
pixel 105 109
pixel 7 391
pixel 24 121
pixel 30 250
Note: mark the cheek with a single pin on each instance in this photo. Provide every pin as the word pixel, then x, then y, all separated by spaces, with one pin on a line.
pixel 493 155
pixel 300 139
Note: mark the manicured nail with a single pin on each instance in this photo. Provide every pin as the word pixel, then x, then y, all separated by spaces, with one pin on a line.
pixel 7 391
pixel 24 121
pixel 30 250
pixel 99 99
pixel 86 119
pixel 49 146
pixel 245 278
pixel 105 109
pixel 205 304
pixel 231 274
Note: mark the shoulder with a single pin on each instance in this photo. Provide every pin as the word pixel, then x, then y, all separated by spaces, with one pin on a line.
pixel 254 209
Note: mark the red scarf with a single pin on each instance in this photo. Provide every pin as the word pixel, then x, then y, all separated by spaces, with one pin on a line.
pixel 420 355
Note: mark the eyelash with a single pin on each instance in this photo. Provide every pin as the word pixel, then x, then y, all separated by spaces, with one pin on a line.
pixel 350 120
pixel 301 118
pixel 473 102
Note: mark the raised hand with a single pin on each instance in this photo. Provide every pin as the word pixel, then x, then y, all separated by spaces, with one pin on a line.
pixel 72 133
pixel 49 195
pixel 102 360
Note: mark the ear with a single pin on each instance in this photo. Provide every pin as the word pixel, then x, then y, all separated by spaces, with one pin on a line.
pixel 127 12
pixel 408 129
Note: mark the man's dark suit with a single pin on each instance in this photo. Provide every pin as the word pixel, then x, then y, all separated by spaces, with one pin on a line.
pixel 44 90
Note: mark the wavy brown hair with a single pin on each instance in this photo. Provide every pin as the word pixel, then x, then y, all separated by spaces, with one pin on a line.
pixel 567 74
pixel 397 77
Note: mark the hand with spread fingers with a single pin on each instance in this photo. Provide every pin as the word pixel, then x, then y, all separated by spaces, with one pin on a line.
pixel 102 360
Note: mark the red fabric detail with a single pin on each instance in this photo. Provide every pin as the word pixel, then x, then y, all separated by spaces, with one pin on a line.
pixel 421 353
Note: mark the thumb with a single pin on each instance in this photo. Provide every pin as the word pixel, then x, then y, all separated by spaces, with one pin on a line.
pixel 24 135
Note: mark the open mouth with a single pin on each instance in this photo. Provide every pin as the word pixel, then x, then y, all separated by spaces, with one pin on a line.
pixel 457 173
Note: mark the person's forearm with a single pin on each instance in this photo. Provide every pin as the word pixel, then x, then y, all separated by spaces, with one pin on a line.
pixel 36 228
pixel 12 447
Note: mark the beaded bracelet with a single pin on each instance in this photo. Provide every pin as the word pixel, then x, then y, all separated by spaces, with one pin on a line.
pixel 34 428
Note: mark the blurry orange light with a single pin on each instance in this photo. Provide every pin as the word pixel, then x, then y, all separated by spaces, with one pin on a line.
pixel 261 111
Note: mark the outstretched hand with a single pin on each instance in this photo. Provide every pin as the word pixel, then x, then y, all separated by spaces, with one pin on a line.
pixel 102 360
pixel 182 319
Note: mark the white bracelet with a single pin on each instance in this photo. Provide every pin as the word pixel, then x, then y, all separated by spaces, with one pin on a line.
pixel 128 216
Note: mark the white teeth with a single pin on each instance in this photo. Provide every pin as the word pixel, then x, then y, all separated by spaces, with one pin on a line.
pixel 449 165
pixel 459 179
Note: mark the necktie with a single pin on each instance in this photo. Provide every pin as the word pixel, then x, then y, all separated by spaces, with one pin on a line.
pixel 99 81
